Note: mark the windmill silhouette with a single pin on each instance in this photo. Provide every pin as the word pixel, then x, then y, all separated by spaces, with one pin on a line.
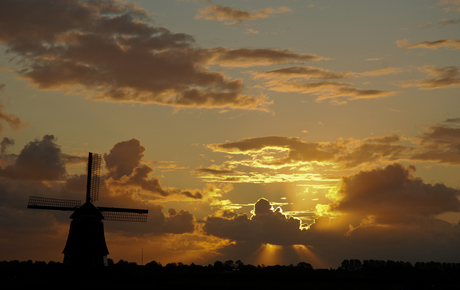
pixel 86 244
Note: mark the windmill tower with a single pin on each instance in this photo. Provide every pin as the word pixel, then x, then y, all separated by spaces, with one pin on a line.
pixel 86 244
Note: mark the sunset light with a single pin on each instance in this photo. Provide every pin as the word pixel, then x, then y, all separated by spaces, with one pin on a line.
pixel 260 131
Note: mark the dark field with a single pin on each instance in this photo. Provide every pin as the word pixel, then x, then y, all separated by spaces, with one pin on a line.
pixel 123 275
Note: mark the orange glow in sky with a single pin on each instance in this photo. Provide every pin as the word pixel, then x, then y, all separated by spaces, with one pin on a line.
pixel 323 126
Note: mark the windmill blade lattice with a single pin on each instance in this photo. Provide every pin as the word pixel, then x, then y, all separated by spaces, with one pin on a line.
pixel 95 176
pixel 124 214
pixel 38 202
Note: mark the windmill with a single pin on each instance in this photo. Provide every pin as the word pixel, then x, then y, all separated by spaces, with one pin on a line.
pixel 86 244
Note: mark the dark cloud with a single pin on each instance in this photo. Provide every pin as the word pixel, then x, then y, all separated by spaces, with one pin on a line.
pixel 375 150
pixel 440 143
pixel 385 213
pixel 123 158
pixel 109 49
pixel 39 160
pixel 267 225
pixel 125 170
pixel 392 194
pixel 157 223
pixel 6 142
pixel 179 222
pixel 452 120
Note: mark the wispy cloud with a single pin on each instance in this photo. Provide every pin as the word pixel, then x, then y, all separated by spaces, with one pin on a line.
pixel 437 78
pixel 14 122
pixel 319 82
pixel 226 13
pixel 246 57
pixel 274 158
pixel 443 22
pixel 447 43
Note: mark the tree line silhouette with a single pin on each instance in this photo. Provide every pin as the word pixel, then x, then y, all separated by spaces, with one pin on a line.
pixel 351 274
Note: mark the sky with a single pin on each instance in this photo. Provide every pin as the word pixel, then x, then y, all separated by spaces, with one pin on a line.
pixel 271 132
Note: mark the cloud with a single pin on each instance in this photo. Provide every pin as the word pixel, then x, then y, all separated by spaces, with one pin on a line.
pixel 438 78
pixel 251 31
pixel 123 158
pixel 215 171
pixel 300 72
pixel 440 143
pixel 273 159
pixel 448 43
pixel 452 120
pixel 225 13
pixel 373 150
pixel 449 2
pixel 319 73
pixel 382 213
pixel 266 225
pixel 317 81
pixel 324 90
pixel 126 171
pixel 296 149
pixel 245 57
pixel 38 160
pixel 442 77
pixel 108 51
pixel 384 139
pixel 287 159
pixel 379 72
pixel 6 142
pixel 392 195
pixel 13 121
pixel 175 223
pixel 452 5
pixel 354 94
pixel 449 21
pixel 39 170
pixel 441 22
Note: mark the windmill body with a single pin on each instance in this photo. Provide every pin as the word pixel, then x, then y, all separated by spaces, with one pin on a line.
pixel 86 245
pixel 86 241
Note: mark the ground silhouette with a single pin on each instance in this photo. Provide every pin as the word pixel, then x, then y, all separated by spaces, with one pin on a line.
pixel 352 274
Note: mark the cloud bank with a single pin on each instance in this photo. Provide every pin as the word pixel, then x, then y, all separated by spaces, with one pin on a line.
pixel 108 50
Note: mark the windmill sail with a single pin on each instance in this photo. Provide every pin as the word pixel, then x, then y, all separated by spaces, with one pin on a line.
pixel 94 176
pixel 38 202
pixel 124 214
